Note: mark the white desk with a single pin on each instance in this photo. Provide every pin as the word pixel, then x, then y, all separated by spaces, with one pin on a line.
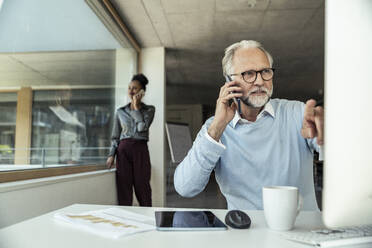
pixel 45 232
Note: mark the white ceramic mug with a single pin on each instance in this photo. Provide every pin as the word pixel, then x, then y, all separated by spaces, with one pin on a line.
pixel 281 206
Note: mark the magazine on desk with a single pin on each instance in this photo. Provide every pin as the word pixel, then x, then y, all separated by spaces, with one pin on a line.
pixel 110 222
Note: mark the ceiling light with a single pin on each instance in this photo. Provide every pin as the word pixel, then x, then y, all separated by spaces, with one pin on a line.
pixel 252 3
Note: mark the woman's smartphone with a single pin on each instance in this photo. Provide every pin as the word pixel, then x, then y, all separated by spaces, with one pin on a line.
pixel 141 92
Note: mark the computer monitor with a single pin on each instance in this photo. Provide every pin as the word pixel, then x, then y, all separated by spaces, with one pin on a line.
pixel 347 195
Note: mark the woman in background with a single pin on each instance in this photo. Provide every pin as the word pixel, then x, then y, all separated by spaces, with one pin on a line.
pixel 129 144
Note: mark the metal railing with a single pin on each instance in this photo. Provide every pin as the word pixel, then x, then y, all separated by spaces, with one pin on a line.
pixel 43 157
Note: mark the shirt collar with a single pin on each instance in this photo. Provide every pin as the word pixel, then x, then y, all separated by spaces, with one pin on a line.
pixel 268 109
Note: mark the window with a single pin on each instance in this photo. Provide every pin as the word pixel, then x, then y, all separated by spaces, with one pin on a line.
pixel 60 83
pixel 71 127
pixel 8 107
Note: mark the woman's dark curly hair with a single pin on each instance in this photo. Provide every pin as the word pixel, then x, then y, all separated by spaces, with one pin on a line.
pixel 142 79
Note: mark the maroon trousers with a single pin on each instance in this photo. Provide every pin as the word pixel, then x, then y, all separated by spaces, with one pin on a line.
pixel 133 169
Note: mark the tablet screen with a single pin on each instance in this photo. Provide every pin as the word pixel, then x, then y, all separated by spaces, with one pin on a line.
pixel 188 220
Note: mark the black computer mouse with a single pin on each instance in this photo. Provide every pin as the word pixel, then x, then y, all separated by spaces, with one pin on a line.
pixel 237 219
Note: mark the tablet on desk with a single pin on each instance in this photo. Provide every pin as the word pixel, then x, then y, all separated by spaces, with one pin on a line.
pixel 188 221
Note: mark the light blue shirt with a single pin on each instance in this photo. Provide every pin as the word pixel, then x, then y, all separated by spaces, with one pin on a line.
pixel 270 151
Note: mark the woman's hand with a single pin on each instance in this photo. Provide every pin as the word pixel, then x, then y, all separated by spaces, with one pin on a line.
pixel 110 162
pixel 137 100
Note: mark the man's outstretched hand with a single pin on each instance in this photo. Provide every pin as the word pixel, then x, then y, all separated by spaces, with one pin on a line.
pixel 313 123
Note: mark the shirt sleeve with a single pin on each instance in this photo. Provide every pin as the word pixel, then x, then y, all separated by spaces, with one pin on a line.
pixel 143 120
pixel 192 174
pixel 213 141
pixel 115 135
pixel 312 143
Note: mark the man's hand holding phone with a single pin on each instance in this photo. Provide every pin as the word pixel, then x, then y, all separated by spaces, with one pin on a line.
pixel 224 110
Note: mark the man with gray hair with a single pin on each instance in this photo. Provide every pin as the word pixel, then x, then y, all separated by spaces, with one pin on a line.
pixel 270 142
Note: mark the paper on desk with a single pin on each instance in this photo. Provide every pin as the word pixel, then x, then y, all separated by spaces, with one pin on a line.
pixel 110 223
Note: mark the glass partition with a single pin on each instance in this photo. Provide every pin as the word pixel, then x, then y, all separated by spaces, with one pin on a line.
pixel 71 127
pixel 8 110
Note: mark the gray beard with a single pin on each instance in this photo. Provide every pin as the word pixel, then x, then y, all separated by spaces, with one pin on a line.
pixel 258 101
pixel 256 104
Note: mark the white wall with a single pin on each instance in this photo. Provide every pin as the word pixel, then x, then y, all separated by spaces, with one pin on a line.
pixel 26 199
pixel 153 66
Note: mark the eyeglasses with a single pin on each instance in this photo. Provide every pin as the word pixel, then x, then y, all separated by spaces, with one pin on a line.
pixel 251 75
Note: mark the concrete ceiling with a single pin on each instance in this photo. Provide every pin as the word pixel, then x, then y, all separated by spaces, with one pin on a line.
pixel 196 32
pixel 72 68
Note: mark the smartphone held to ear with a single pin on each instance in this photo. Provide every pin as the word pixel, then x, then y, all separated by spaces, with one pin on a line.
pixel 141 93
pixel 236 100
